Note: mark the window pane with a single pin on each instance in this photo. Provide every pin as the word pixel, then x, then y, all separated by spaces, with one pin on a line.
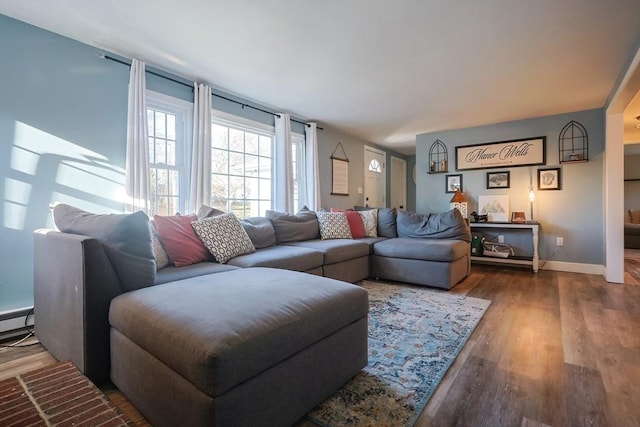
pixel 162 182
pixel 263 207
pixel 219 161
pixel 219 191
pixel 171 126
pixel 161 156
pixel 152 150
pixel 150 126
pixel 236 140
pixel 220 137
pixel 265 168
pixel 251 188
pixel 251 143
pixel 265 189
pixel 236 164
pixel 160 124
pixel 171 152
pixel 172 205
pixel 265 146
pixel 238 208
pixel 236 187
pixel 174 183
pixel 251 165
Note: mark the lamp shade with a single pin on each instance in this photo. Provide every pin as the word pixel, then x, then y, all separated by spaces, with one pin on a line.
pixel 458 197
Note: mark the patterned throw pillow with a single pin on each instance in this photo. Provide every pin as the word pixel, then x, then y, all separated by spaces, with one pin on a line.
pixel 370 221
pixel 162 259
pixel 224 236
pixel 355 222
pixel 333 225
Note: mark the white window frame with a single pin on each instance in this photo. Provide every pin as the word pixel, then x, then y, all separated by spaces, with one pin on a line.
pixel 231 120
pixel 183 110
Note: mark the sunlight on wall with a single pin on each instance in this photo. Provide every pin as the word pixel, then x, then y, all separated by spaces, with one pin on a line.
pixel 46 166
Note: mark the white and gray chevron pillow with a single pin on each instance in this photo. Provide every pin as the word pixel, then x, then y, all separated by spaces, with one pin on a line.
pixel 333 225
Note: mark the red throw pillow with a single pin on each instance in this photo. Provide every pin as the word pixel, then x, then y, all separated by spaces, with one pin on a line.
pixel 355 222
pixel 182 244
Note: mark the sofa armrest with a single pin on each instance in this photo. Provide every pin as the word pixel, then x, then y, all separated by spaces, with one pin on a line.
pixel 74 284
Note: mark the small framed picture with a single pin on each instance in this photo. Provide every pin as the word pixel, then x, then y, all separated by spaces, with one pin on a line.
pixel 549 179
pixel 453 183
pixel 498 179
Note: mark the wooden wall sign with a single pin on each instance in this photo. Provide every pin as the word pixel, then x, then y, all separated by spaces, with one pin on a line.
pixel 519 152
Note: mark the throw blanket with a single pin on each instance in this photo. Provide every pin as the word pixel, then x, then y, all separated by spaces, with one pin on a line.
pixel 443 225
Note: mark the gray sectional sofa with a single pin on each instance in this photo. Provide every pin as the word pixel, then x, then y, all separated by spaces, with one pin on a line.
pixel 259 340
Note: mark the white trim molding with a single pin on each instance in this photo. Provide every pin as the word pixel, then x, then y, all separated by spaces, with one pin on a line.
pixel 572 267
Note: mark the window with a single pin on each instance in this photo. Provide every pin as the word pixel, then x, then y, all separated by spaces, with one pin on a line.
pixel 167 128
pixel 241 168
pixel 375 166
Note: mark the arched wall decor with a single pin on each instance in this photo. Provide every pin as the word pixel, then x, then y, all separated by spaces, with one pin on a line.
pixel 438 158
pixel 573 143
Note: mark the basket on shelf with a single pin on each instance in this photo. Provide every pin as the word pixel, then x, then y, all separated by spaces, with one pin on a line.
pixel 498 250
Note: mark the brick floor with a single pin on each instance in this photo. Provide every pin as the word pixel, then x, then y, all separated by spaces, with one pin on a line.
pixel 57 395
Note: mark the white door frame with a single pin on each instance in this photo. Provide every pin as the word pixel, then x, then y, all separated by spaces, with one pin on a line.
pixel 402 163
pixel 384 171
pixel 614 172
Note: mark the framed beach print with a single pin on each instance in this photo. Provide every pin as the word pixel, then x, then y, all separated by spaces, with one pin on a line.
pixel 549 179
pixel 453 183
pixel 498 179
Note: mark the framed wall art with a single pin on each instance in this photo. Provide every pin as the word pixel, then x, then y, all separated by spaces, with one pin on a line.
pixel 453 183
pixel 495 207
pixel 549 179
pixel 498 179
pixel 519 152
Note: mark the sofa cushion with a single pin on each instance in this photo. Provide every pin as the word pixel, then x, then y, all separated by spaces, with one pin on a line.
pixel 336 250
pixel 445 250
pixel 230 326
pixel 224 236
pixel 294 228
pixel 333 225
pixel 356 225
pixel 179 240
pixel 260 231
pixel 126 239
pixel 443 225
pixel 635 216
pixel 208 212
pixel 172 274
pixel 387 222
pixel 281 256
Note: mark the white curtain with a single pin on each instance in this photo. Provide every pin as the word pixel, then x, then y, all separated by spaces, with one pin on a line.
pixel 283 184
pixel 312 178
pixel 137 183
pixel 200 189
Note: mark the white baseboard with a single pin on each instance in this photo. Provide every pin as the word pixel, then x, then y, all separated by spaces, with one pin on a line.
pixel 572 267
pixel 12 323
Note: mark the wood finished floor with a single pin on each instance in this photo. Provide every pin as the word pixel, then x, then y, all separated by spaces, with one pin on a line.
pixel 553 349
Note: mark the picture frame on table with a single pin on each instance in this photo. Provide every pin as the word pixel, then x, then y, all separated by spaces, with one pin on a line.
pixel 499 179
pixel 549 179
pixel 453 182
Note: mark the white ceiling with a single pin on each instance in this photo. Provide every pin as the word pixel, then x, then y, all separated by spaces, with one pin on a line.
pixel 382 70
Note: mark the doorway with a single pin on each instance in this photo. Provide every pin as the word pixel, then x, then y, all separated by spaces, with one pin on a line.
pixel 398 183
pixel 375 186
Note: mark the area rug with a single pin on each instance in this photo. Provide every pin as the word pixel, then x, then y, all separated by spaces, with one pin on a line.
pixel 415 334
pixel 56 395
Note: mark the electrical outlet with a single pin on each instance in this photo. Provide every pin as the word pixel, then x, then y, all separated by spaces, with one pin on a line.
pixel 500 238
pixel 559 241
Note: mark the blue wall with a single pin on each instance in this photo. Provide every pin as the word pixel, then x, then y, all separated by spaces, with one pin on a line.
pixel 63 136
pixel 575 212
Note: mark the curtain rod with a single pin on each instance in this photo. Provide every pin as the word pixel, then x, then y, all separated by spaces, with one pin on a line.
pixel 110 58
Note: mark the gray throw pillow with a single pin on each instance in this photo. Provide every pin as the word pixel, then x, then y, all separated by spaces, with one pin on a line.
pixel 260 231
pixel 207 212
pixel 294 228
pixel 387 222
pixel 126 239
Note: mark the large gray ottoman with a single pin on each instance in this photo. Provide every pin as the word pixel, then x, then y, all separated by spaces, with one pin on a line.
pixel 434 262
pixel 248 347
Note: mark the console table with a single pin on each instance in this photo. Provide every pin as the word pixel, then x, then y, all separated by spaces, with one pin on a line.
pixel 532 260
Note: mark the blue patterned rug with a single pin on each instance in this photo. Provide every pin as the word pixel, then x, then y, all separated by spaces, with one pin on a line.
pixel 415 334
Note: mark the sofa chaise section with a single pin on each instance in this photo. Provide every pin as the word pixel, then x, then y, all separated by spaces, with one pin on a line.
pixel 252 347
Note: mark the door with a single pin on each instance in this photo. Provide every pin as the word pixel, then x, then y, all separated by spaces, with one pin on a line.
pixel 374 177
pixel 398 183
